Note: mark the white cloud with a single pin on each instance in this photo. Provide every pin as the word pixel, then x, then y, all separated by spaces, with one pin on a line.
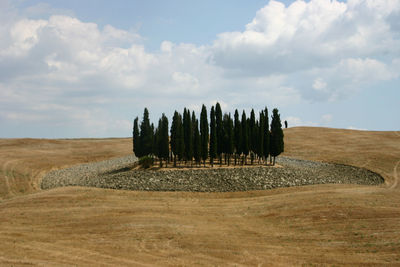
pixel 319 85
pixel 355 128
pixel 294 121
pixel 327 118
pixel 322 39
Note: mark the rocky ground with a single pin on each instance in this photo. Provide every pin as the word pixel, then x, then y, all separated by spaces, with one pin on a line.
pixel 118 174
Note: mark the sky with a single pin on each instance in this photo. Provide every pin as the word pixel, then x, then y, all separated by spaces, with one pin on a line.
pixel 71 69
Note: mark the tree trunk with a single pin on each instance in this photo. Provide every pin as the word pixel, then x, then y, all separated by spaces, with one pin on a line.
pixel 274 161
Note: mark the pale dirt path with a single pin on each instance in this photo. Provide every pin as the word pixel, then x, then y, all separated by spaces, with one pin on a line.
pixel 8 169
pixel 396 176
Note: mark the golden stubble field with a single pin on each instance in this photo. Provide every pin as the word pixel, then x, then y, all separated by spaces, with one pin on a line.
pixel 312 225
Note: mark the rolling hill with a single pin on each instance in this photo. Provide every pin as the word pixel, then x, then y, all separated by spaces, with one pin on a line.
pixel 310 225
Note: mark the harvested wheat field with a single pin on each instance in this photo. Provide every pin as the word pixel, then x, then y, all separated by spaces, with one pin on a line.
pixel 309 225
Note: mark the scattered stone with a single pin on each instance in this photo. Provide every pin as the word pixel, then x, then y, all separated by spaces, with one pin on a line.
pixel 118 174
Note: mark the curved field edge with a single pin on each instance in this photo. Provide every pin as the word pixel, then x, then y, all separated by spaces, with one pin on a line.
pixel 376 151
pixel 23 162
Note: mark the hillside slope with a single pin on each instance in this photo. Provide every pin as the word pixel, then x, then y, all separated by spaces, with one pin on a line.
pixel 323 224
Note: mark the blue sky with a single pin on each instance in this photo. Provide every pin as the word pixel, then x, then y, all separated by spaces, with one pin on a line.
pixel 87 68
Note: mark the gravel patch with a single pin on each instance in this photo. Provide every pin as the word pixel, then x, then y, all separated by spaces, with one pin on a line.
pixel 117 174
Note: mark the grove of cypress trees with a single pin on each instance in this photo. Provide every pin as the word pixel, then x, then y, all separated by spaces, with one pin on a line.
pixel 245 137
pixel 213 137
pixel 237 136
pixel 195 138
pixel 220 131
pixel 204 134
pixel 276 141
pixel 136 138
pixel 146 135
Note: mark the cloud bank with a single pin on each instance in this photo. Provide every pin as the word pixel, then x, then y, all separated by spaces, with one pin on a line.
pixel 72 74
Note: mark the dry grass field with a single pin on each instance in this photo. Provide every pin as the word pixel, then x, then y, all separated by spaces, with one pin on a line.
pixel 328 225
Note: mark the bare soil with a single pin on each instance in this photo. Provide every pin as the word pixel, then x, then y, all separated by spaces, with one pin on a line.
pixel 309 225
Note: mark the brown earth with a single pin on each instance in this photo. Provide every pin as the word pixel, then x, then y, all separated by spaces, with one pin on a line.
pixel 309 225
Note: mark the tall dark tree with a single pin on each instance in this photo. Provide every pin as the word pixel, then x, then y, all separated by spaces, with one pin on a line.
pixel 261 136
pixel 180 140
pixel 213 137
pixel 162 139
pixel 196 141
pixel 146 135
pixel 204 133
pixel 228 136
pixel 266 135
pixel 188 135
pixel 245 137
pixel 174 133
pixel 136 138
pixel 220 131
pixel 153 140
pixel 156 138
pixel 252 135
pixel 237 136
pixel 276 142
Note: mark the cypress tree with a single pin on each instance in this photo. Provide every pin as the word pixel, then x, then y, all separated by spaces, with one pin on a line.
pixel 266 135
pixel 165 138
pixel 196 141
pixel 261 136
pixel 174 135
pixel 276 142
pixel 153 140
pixel 252 135
pixel 204 134
pixel 238 135
pixel 188 135
pixel 180 142
pixel 136 140
pixel 157 142
pixel 146 135
pixel 220 131
pixel 228 136
pixel 213 137
pixel 162 140
pixel 245 137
